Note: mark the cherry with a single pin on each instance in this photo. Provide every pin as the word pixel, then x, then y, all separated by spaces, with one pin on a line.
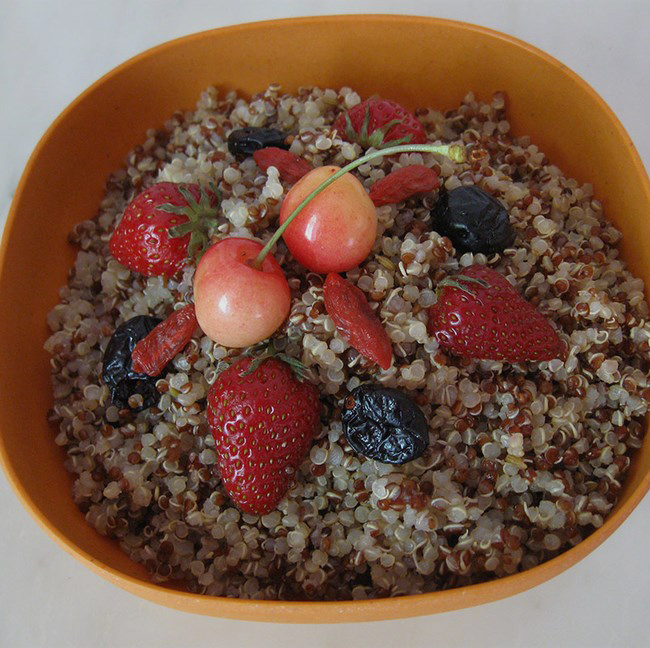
pixel 455 152
pixel 238 304
pixel 337 229
pixel 240 292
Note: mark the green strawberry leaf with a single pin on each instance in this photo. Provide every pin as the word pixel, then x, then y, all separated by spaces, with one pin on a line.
pixel 267 349
pixel 455 282
pixel 174 209
pixel 363 134
pixel 201 217
pixel 300 369
pixel 378 136
pixel 350 133
pixel 192 204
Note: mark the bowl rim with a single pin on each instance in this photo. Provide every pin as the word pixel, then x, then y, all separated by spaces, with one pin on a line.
pixel 327 611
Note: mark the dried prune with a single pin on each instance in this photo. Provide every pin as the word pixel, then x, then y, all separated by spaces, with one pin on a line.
pixel 245 141
pixel 384 424
pixel 117 368
pixel 473 220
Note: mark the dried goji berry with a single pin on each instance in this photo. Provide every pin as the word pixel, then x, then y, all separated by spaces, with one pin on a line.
pixel 403 183
pixel 356 321
pixel 291 167
pixel 152 353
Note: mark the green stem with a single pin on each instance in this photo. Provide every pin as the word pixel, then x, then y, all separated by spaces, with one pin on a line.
pixel 455 282
pixel 454 152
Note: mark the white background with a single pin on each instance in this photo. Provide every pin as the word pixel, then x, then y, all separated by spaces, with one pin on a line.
pixel 49 53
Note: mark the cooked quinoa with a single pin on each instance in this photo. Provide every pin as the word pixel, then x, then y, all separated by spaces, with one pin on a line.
pixel 524 460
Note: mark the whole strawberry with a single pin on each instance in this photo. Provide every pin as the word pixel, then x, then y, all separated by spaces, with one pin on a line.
pixel 480 315
pixel 263 420
pixel 380 123
pixel 163 227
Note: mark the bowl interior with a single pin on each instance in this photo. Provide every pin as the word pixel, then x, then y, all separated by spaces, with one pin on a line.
pixel 416 61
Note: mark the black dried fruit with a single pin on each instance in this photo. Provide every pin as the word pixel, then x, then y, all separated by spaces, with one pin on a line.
pixel 245 141
pixel 117 369
pixel 384 424
pixel 473 220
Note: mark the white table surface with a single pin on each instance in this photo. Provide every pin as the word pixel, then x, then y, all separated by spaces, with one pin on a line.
pixel 49 53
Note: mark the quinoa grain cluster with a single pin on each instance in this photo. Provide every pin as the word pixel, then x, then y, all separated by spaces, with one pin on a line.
pixel 524 460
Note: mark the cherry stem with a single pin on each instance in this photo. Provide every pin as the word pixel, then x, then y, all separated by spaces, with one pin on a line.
pixel 455 152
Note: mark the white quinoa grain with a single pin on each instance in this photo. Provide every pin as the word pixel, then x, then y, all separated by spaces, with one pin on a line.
pixel 177 485
pixel 112 491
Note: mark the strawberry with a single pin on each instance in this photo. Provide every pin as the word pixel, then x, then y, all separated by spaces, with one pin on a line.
pixel 263 420
pixel 164 226
pixel 380 123
pixel 480 315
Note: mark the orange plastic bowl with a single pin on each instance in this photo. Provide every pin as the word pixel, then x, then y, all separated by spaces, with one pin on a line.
pixel 416 61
